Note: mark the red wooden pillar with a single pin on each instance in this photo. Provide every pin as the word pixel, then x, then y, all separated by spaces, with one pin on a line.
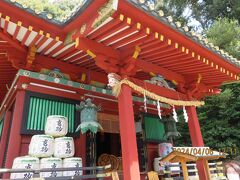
pixel 128 135
pixel 80 150
pixel 6 129
pixel 197 140
pixel 14 146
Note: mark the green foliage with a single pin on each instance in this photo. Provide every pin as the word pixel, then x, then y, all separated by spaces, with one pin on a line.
pixel 225 33
pixel 220 119
pixel 204 11
pixel 60 9
pixel 207 11
pixel 174 8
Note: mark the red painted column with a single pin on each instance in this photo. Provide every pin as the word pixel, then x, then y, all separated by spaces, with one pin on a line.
pixel 80 150
pixel 128 135
pixel 196 138
pixel 3 140
pixel 14 146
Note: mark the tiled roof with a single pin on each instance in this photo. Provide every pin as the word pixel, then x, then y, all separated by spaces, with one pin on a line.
pixel 150 9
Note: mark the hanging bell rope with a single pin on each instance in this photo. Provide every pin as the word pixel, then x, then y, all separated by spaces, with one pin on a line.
pixel 117 89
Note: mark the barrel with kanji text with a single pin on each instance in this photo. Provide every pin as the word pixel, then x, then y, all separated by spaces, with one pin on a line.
pixel 24 162
pixel 64 147
pixel 74 162
pixel 52 163
pixel 56 125
pixel 41 146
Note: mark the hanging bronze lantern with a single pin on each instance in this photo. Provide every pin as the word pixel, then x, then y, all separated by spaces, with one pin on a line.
pixel 170 128
pixel 88 117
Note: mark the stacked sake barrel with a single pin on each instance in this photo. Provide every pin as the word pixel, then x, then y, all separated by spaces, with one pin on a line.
pixel 51 150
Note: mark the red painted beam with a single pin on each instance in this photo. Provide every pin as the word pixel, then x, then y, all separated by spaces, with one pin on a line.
pixel 159 52
pixel 161 91
pixel 12 42
pixel 178 57
pixel 128 39
pixel 110 25
pixel 167 74
pixel 36 38
pixel 169 55
pixel 17 29
pixel 97 48
pixel 147 20
pixel 65 53
pixel 138 42
pixel 51 44
pixel 76 56
pixel 28 19
pixel 54 51
pixel 114 29
pixel 6 23
pixel 119 35
pixel 83 59
pixel 49 63
pixel 26 35
pixel 157 46
pixel 42 41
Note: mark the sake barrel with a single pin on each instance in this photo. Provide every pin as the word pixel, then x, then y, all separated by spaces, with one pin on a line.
pixel 25 162
pixel 56 125
pixel 164 149
pixel 41 146
pixel 75 162
pixel 64 147
pixel 52 163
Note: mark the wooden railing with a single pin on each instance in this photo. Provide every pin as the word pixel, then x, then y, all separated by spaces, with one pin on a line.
pixel 98 172
pixel 174 172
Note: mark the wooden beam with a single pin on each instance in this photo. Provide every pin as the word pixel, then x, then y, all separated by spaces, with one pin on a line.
pixel 29 19
pixel 31 56
pixel 161 91
pixel 49 63
pixel 156 25
pixel 12 42
pixel 17 29
pixel 167 74
pixel 87 45
pixel 26 36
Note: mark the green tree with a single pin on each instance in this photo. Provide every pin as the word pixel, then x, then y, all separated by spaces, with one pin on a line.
pixel 60 9
pixel 220 120
pixel 225 33
pixel 203 11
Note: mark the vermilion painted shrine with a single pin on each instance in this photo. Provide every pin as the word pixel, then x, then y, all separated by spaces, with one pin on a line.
pixel 125 37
